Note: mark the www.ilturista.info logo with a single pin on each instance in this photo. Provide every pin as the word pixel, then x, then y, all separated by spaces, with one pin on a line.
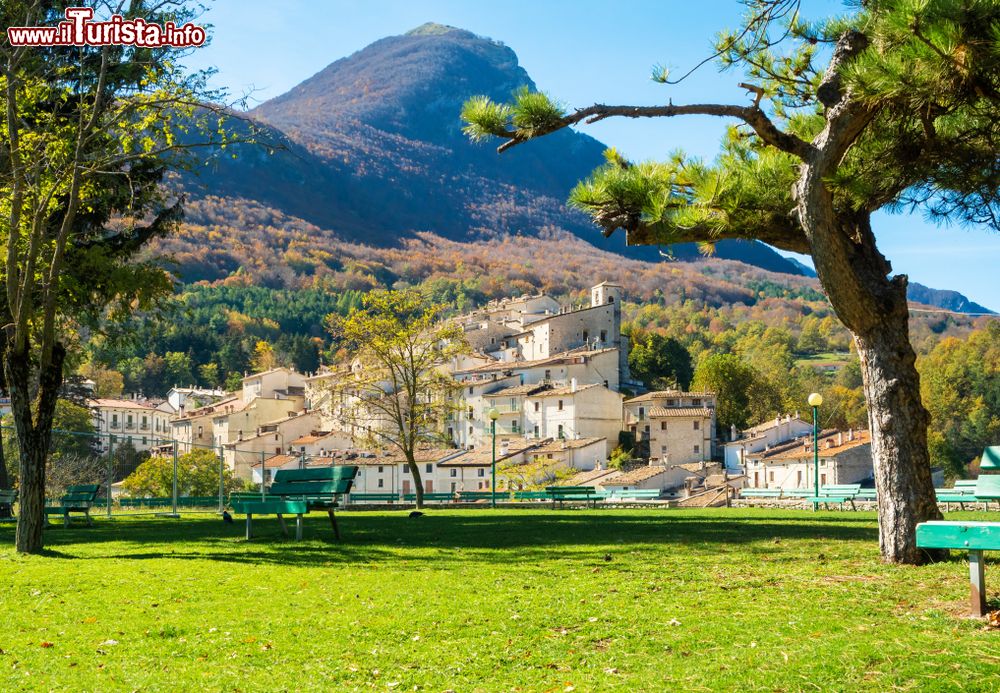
pixel 79 29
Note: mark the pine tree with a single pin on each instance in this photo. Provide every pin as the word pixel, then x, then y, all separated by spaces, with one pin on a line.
pixel 894 107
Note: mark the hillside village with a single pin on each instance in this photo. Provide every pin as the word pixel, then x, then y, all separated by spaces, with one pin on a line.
pixel 566 409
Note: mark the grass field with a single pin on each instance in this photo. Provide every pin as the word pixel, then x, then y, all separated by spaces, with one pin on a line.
pixel 534 600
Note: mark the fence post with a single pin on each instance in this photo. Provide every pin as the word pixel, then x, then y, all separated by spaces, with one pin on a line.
pixel 111 466
pixel 263 493
pixel 222 482
pixel 175 479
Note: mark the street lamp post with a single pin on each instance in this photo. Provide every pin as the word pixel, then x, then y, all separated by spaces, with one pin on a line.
pixel 815 400
pixel 494 415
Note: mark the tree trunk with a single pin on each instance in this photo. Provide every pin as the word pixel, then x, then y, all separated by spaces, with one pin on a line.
pixel 418 486
pixel 898 422
pixel 873 307
pixel 34 436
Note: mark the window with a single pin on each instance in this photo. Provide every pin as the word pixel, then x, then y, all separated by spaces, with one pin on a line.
pixel 822 478
pixel 114 421
pixel 145 423
pixel 277 451
pixel 144 440
pixel 470 430
pixel 647 430
pixel 604 335
pixel 697 425
pixel 611 299
pixel 381 483
pixel 406 469
pixel 548 374
pixel 696 402
pixel 671 402
pixel 770 477
pixel 429 468
pixel 513 426
pixel 561 434
pixel 663 449
pixel 470 390
pixel 381 469
pixel 642 413
pixel 663 425
pixel 560 407
pixel 798 481
pixel 451 432
pixel 453 473
pixel 129 424
pixel 697 449
pixel 480 472
pixel 586 335
pixel 453 487
pixel 536 406
pixel 536 430
pixel 470 412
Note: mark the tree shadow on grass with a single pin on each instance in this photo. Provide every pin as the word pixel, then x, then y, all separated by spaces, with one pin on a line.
pixel 441 538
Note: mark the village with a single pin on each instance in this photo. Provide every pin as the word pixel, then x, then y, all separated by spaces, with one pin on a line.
pixel 543 395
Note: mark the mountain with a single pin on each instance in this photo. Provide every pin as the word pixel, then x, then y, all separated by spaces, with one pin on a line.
pixel 943 298
pixel 372 151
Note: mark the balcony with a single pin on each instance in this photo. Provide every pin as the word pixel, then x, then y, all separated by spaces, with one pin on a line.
pixel 503 409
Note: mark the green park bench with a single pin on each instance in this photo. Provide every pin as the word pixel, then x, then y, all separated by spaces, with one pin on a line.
pixel 441 497
pixel 866 494
pixel 530 495
pixel 974 537
pixel 483 495
pixel 563 494
pixel 760 493
pixel 296 492
pixel 77 499
pixel 7 498
pixel 373 497
pixel 962 492
pixel 835 493
pixel 630 495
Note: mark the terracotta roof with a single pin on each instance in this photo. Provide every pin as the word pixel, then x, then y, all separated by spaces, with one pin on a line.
pixel 510 365
pixel 802 447
pixel 275 461
pixel 587 478
pixel 567 390
pixel 122 404
pixel 313 437
pixel 574 444
pixel 638 475
pixel 484 457
pixel 662 394
pixel 661 412
pixel 518 390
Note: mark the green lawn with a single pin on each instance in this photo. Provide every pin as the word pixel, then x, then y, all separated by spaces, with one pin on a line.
pixel 534 600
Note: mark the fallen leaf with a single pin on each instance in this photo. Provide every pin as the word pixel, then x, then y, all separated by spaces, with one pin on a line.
pixel 611 670
pixel 46 643
pixel 90 619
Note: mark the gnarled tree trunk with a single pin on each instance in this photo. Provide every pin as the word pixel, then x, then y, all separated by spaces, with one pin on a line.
pixel 873 307
pixel 418 487
pixel 34 435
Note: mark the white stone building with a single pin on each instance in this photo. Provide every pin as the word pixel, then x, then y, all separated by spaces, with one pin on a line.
pixel 844 458
pixel 766 435
pixel 145 424
pixel 675 427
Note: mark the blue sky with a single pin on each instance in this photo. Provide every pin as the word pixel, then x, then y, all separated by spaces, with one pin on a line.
pixel 579 51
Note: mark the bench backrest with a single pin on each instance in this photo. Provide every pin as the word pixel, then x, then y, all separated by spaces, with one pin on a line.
pixel 988 486
pixel 81 493
pixel 968 484
pixel 316 482
pixel 840 490
pixel 571 490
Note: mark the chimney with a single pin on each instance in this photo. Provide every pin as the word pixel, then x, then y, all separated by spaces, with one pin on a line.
pixel 732 431
pixel 572 385
pixel 840 438
pixel 850 434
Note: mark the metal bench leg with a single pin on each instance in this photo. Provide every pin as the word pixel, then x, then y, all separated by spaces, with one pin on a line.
pixel 66 519
pixel 284 527
pixel 977 583
pixel 249 526
pixel 298 527
pixel 333 521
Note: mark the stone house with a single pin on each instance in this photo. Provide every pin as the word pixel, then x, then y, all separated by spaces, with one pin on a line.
pixel 844 458
pixel 757 438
